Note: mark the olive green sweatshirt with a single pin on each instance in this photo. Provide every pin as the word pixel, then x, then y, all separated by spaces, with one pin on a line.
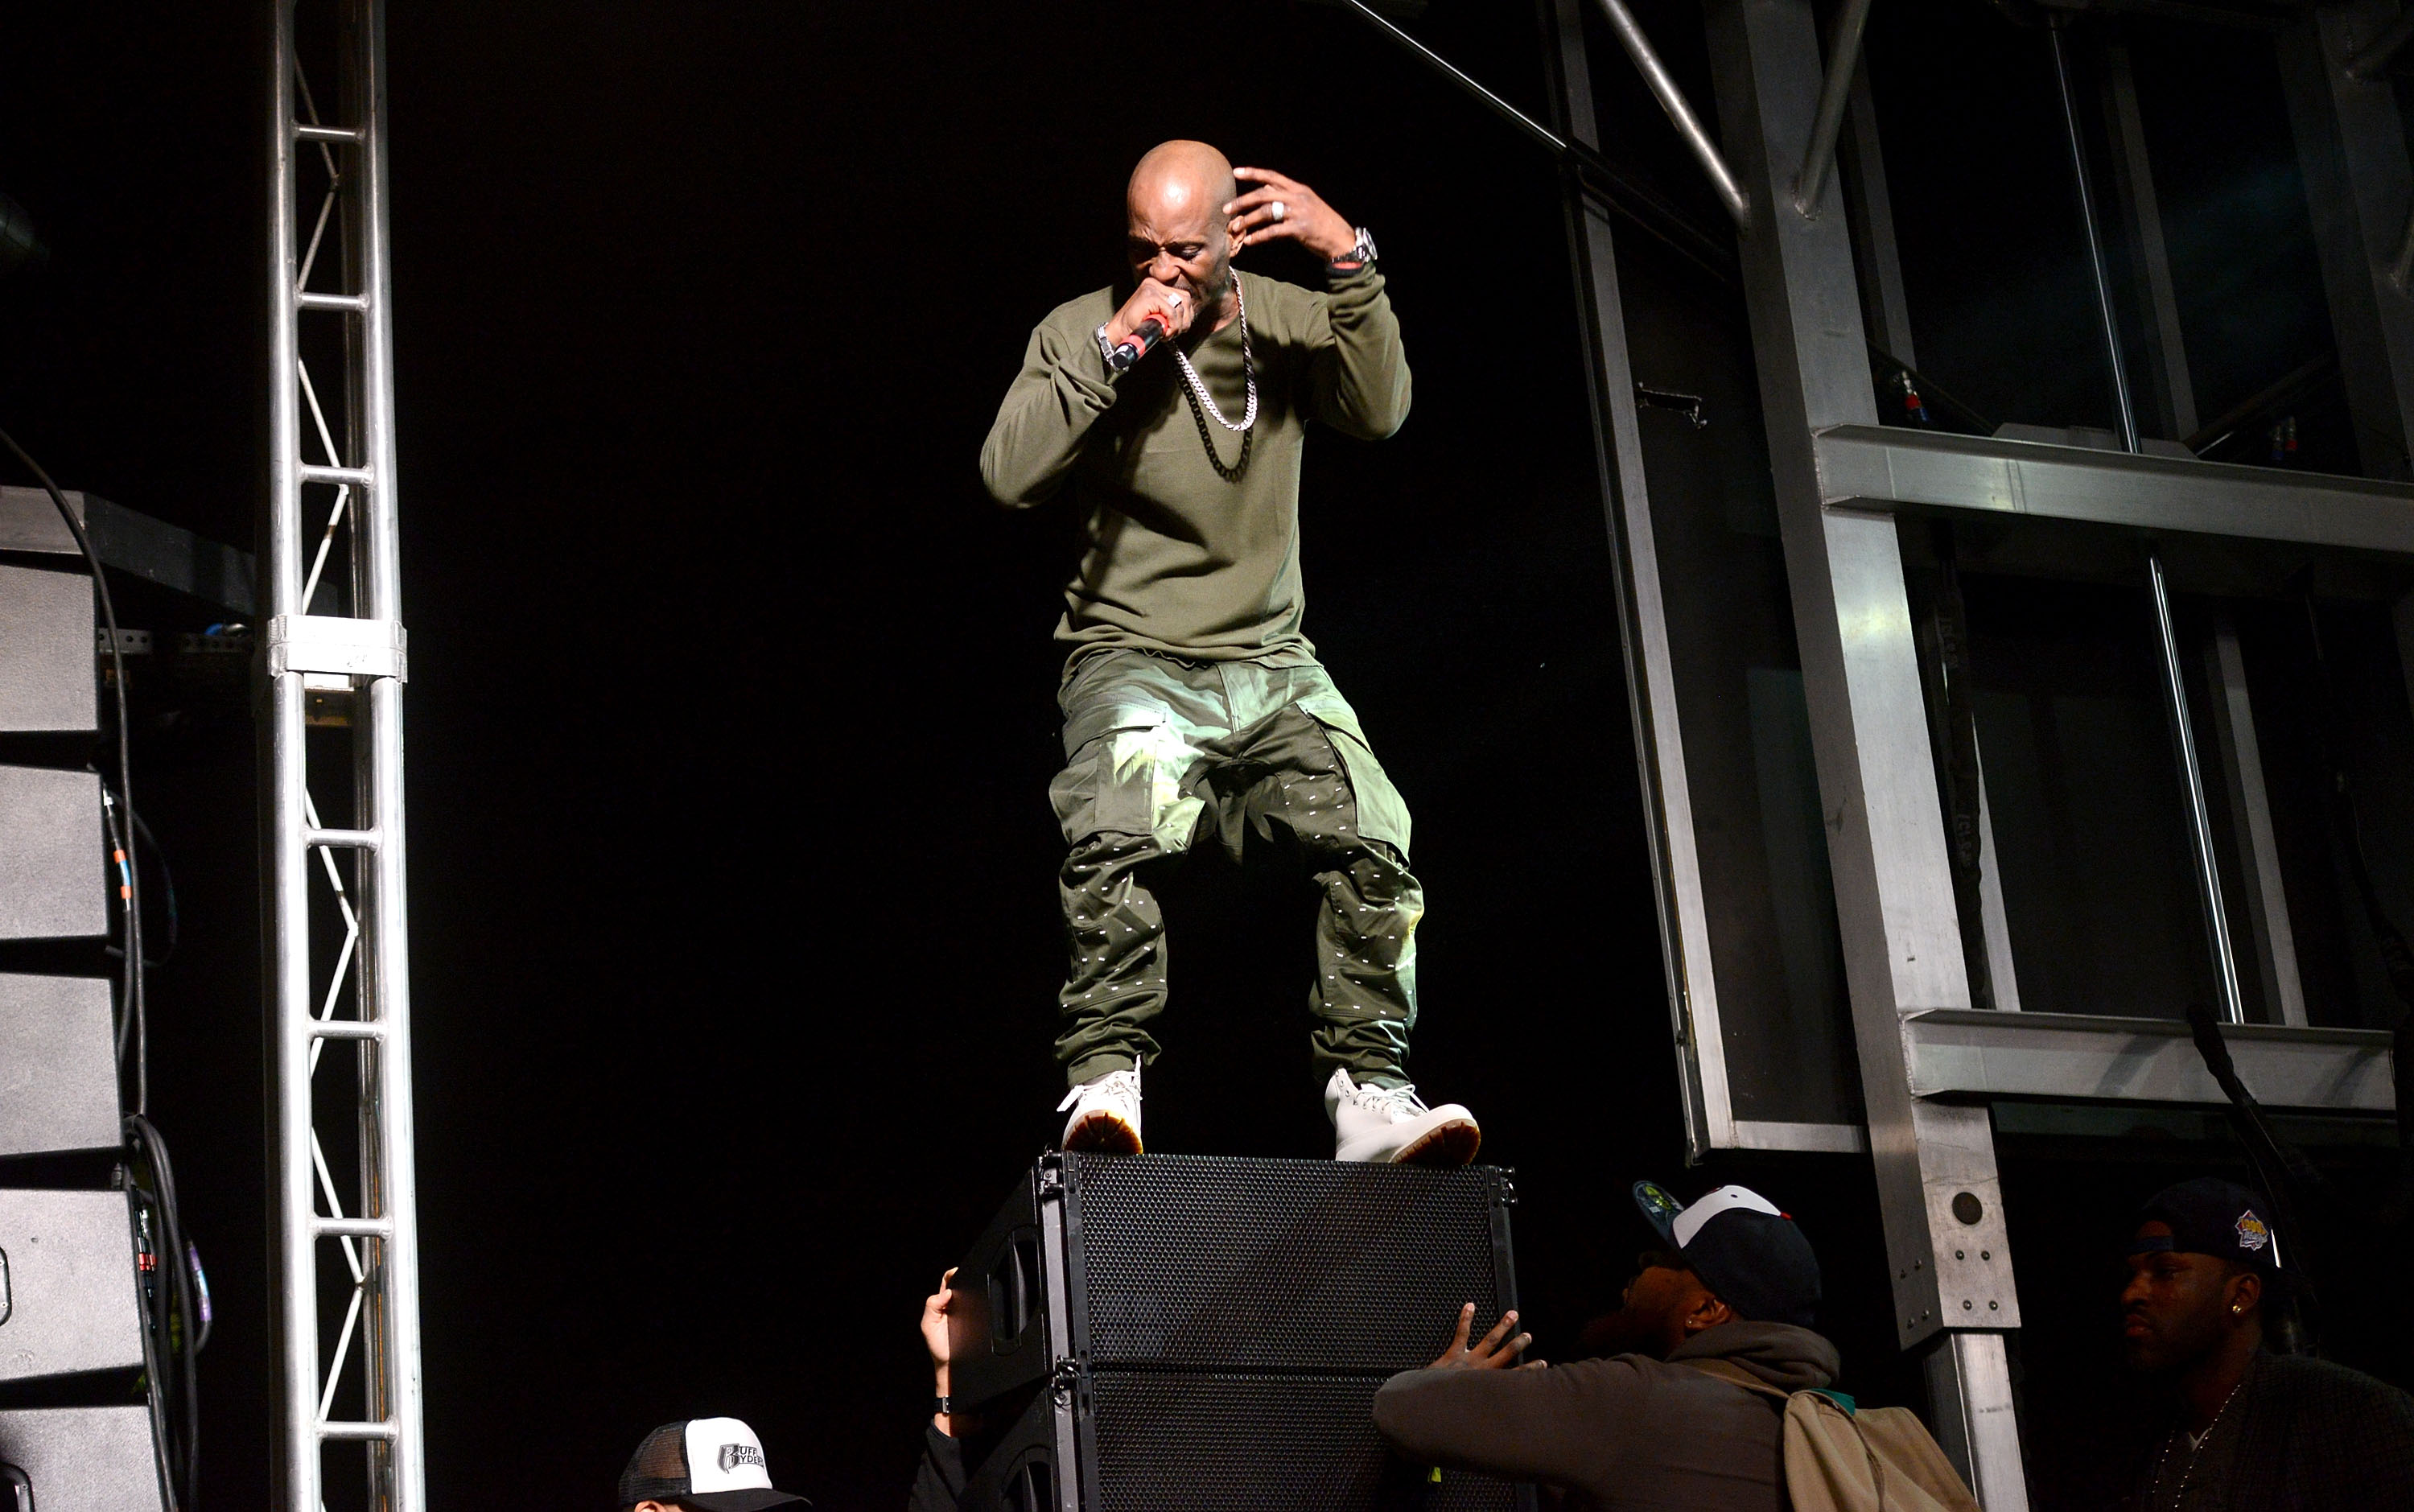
pixel 1176 557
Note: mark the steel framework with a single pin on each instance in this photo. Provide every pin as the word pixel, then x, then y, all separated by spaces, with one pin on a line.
pixel 338 884
pixel 1821 288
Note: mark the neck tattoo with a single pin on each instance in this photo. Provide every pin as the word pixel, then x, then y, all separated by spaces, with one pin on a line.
pixel 1202 403
pixel 2187 1471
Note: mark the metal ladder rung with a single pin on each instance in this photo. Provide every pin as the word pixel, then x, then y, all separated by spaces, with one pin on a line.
pixel 314 473
pixel 356 1431
pixel 306 299
pixel 344 839
pixel 348 1028
pixel 356 1228
pixel 303 131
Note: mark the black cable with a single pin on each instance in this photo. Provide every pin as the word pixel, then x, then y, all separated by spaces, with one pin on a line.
pixel 117 859
pixel 145 1136
pixel 132 1005
pixel 158 854
pixel 154 1396
pixel 2281 1169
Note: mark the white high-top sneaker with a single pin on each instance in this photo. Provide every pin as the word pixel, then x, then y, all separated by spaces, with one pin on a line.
pixel 1392 1124
pixel 1106 1115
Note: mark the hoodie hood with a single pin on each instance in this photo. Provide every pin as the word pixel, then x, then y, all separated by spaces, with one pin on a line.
pixel 1787 1358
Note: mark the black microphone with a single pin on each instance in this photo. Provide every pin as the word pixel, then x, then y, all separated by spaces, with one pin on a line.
pixel 1132 348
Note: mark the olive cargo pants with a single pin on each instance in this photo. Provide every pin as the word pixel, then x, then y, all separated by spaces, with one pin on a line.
pixel 1160 752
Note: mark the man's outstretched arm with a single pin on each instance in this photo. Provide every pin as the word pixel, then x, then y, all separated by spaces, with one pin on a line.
pixel 1474 1409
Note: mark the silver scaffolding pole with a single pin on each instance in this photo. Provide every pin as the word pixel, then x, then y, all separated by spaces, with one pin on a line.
pixel 337 930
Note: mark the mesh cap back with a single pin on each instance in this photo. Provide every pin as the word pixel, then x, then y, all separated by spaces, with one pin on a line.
pixel 657 1471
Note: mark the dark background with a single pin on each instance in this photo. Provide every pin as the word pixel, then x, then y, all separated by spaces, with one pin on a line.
pixel 734 934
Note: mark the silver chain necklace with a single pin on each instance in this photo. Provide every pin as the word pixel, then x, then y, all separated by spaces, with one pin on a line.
pixel 1248 371
pixel 2187 1471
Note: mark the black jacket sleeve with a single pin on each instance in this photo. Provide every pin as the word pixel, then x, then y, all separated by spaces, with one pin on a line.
pixel 940 1481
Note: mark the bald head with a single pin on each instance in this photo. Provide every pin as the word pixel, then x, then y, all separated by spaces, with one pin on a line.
pixel 1182 181
pixel 1175 229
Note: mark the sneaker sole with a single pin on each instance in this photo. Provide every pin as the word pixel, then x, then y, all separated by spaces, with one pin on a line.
pixel 1103 1133
pixel 1453 1143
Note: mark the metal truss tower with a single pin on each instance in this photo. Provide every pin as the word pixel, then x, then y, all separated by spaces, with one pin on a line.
pixel 337 963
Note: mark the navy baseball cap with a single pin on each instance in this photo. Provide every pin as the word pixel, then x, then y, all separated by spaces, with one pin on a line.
pixel 2212 1217
pixel 712 1463
pixel 1743 1248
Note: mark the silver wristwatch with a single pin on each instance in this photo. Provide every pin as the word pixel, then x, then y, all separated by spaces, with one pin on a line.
pixel 1361 254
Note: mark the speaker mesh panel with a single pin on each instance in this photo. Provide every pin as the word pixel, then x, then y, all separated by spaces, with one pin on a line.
pixel 1177 1442
pixel 83 1459
pixel 1254 1264
pixel 52 885
pixel 46 650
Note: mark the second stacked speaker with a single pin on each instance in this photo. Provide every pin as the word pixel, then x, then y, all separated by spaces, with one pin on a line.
pixel 1174 1332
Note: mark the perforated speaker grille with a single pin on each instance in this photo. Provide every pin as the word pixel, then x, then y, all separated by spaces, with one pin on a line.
pixel 1169 1441
pixel 1280 1265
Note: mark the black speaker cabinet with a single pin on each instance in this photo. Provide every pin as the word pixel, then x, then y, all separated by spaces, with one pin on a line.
pixel 46 652
pixel 1177 1332
pixel 51 860
pixel 79 1460
pixel 59 1068
pixel 67 1299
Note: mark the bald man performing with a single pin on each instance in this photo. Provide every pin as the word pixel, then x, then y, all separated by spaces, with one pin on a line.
pixel 1195 710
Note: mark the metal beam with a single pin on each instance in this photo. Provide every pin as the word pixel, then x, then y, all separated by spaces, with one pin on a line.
pixel 2250 817
pixel 1672 100
pixel 1843 64
pixel 2208 857
pixel 1874 253
pixel 2372 60
pixel 2125 411
pixel 370 1219
pixel 2076 1057
pixel 2133 183
pixel 1878 466
pixel 1624 191
pixel 1900 930
pixel 1643 624
pixel 2359 181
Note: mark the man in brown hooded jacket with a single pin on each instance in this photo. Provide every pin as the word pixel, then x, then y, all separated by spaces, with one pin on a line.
pixel 1664 1424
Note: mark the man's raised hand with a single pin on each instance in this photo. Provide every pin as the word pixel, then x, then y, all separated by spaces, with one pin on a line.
pixel 1168 304
pixel 1495 1352
pixel 1303 217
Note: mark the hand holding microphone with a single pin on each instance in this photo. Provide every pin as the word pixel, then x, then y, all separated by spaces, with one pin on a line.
pixel 1154 312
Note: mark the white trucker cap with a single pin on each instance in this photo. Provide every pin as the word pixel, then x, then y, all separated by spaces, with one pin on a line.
pixel 715 1463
